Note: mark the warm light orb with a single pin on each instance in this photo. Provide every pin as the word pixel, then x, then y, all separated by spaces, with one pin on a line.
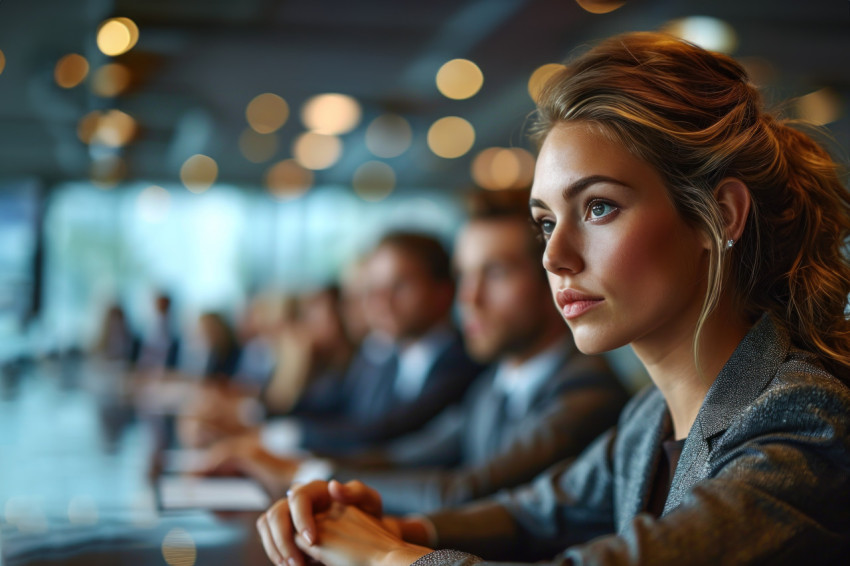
pixel 709 33
pixel 459 79
pixel 540 77
pixel 373 181
pixel 498 168
pixel 112 128
pixel 117 36
pixel 600 6
pixel 820 107
pixel 267 112
pixel 288 180
pixel 257 148
pixel 389 135
pixel 71 70
pixel 111 80
pixel 451 137
pixel 316 151
pixel 153 204
pixel 2 61
pixel 331 114
pixel 115 129
pixel 178 548
pixel 198 173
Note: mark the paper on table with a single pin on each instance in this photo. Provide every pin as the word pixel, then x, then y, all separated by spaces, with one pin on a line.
pixel 219 494
pixel 186 461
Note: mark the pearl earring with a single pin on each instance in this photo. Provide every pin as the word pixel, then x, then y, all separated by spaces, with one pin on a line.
pixel 729 244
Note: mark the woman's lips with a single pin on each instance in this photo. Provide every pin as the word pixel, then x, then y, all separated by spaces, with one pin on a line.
pixel 574 303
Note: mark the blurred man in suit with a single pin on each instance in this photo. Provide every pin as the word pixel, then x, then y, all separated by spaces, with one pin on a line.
pixel 540 401
pixel 411 366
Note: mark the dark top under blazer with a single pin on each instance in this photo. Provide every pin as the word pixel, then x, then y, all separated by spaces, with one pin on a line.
pixel 764 477
pixel 481 450
pixel 374 413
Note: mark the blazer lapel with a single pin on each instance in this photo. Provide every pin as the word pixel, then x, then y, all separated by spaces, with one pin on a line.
pixel 752 365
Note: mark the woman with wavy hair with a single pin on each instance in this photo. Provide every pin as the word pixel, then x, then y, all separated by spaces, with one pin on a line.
pixel 684 220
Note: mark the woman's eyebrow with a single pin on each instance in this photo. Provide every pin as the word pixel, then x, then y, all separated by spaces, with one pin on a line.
pixel 576 187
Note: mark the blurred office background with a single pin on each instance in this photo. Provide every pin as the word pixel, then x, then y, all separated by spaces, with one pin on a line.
pixel 215 150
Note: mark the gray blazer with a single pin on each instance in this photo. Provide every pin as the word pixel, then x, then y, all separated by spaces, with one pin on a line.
pixel 475 450
pixel 764 477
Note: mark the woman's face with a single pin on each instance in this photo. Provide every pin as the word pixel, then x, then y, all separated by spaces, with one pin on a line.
pixel 623 265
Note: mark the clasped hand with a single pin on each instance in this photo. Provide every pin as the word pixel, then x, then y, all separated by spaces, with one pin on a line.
pixel 335 524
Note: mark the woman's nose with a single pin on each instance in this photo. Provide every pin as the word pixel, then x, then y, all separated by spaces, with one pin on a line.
pixel 562 253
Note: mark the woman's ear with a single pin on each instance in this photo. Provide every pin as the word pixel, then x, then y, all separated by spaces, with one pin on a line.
pixel 734 199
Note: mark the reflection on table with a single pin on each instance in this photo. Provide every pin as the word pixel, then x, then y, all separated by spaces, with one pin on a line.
pixel 75 477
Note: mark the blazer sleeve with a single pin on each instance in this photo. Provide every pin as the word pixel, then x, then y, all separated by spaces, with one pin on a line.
pixel 564 425
pixel 776 489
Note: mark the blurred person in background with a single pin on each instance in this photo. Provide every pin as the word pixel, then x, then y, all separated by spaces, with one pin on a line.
pixel 156 353
pixel 312 352
pixel 116 340
pixel 410 367
pixel 540 401
pixel 222 349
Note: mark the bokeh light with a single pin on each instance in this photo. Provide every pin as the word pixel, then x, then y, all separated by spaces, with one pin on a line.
pixel 257 148
pixel 287 179
pixel 178 548
pixel 459 79
pixel 600 6
pixel 331 114
pixel 373 181
pixel 116 36
pixel 709 33
pixel 71 70
pixel 198 173
pixel 111 80
pixel 115 129
pixel 820 107
pixel 501 168
pixel 267 112
pixel 316 151
pixel 2 61
pixel 153 204
pixel 112 128
pixel 540 77
pixel 451 137
pixel 389 135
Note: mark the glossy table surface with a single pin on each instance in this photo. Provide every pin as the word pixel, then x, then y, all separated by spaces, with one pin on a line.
pixel 75 477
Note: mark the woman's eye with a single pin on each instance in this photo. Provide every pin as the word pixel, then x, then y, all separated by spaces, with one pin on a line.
pixel 600 209
pixel 547 227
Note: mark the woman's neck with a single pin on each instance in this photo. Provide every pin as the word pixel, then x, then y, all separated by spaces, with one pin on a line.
pixel 668 356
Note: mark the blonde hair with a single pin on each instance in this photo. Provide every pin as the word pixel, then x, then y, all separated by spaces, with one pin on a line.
pixel 695 116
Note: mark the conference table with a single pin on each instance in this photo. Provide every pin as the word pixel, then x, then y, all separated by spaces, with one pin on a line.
pixel 78 476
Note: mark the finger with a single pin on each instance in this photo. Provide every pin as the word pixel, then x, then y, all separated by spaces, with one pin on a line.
pixel 304 501
pixel 266 538
pixel 280 527
pixel 313 551
pixel 357 493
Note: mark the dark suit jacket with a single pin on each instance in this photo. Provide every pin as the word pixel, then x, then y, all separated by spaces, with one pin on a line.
pixel 487 450
pixel 764 477
pixel 373 412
